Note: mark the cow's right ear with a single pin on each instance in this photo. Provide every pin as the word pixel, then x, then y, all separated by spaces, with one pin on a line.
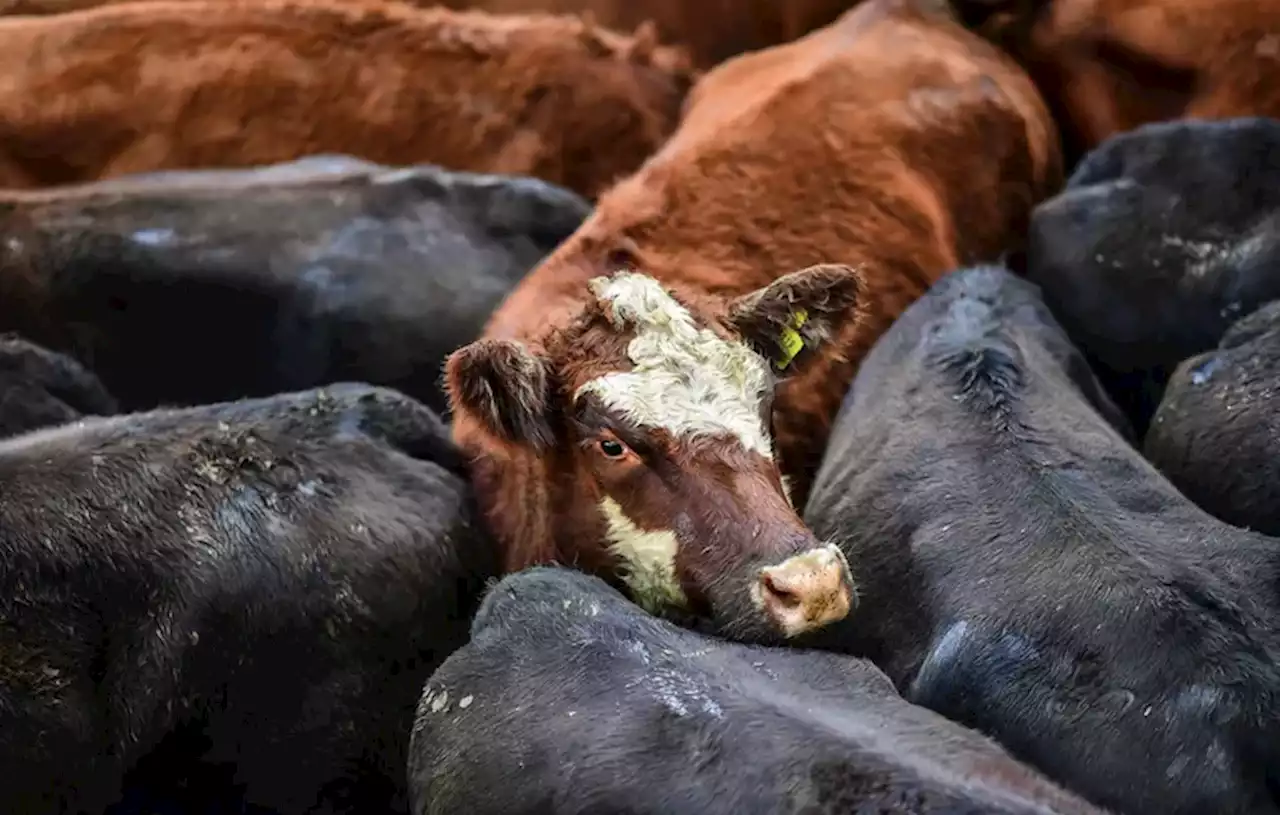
pixel 506 387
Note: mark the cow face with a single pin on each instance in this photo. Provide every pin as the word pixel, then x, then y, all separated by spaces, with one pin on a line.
pixel 652 414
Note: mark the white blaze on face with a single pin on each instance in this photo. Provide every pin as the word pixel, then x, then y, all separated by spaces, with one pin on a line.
pixel 649 558
pixel 685 379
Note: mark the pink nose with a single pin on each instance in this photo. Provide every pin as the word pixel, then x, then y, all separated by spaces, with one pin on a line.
pixel 806 591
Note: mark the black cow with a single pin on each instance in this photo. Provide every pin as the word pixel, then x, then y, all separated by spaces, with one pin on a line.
pixel 40 388
pixel 1216 434
pixel 252 591
pixel 571 700
pixel 1163 237
pixel 188 287
pixel 1024 571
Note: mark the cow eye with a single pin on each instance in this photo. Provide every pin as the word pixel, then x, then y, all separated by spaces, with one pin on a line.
pixel 612 448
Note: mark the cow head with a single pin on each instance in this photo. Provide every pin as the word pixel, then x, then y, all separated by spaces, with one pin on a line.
pixel 636 443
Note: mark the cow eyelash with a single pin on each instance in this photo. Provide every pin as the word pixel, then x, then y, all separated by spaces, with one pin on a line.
pixel 606 443
pixel 612 448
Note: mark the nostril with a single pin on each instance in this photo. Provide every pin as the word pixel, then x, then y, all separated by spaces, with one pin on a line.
pixel 806 591
pixel 779 594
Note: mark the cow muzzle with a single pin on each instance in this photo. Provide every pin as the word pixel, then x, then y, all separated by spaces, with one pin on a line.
pixel 806 592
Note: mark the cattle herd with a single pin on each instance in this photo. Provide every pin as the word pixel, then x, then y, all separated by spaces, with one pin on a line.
pixel 639 407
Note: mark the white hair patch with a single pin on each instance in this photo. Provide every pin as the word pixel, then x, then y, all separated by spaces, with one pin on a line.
pixel 685 380
pixel 649 559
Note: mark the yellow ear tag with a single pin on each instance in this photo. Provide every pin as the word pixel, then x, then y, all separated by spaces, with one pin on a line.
pixel 790 339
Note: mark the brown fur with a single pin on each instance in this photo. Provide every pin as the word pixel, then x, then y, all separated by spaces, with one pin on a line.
pixel 712 30
pixel 1108 66
pixel 225 83
pixel 40 8
pixel 542 475
pixel 517 410
pixel 760 317
pixel 781 162
pixel 892 141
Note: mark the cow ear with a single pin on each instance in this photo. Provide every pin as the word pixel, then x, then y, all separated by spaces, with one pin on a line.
pixel 506 387
pixel 796 312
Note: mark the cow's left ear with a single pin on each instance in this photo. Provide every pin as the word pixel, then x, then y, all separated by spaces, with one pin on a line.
pixel 796 312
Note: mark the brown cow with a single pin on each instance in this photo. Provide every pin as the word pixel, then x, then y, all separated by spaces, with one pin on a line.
pixel 1107 66
pixel 229 83
pixel 9 8
pixel 625 421
pixel 713 30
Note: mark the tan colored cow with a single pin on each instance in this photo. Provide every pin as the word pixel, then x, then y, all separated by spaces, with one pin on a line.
pixel 1107 66
pixel 236 83
pixel 712 30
